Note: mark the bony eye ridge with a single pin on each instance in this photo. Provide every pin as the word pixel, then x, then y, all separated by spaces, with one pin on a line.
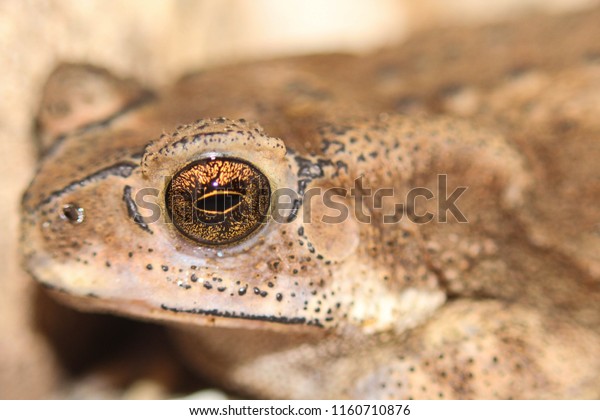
pixel 218 200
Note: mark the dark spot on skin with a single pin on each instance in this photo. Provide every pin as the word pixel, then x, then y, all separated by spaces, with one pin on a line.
pixel 302 183
pixel 564 125
pixel 308 169
pixel 242 291
pixel 592 57
pixel 519 71
pixel 149 267
pixel 256 291
pixel 451 89
pixel 207 285
pixel 221 289
pixel 407 103
pixel 279 297
pixel 326 144
pixel 194 278
pixel 341 165
pixel 301 231
pixel 108 264
pixel 164 268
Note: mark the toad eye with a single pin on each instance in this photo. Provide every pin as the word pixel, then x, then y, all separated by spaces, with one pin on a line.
pixel 218 200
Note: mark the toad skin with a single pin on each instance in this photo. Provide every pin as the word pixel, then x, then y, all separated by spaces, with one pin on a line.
pixel 501 304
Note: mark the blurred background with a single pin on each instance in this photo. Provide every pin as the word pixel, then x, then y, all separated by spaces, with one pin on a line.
pixel 155 41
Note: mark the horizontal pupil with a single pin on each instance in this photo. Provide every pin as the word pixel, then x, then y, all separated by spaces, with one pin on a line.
pixel 219 201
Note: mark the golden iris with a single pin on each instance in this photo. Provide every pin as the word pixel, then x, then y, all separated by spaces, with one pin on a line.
pixel 218 200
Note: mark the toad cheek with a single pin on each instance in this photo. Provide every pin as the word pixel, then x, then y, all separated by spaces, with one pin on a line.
pixel 329 223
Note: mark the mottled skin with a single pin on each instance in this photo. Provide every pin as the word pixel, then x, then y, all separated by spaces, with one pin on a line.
pixel 503 306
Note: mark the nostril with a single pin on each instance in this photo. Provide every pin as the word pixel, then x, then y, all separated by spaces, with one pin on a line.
pixel 73 213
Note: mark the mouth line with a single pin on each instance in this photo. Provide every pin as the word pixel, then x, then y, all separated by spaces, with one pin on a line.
pixel 242 315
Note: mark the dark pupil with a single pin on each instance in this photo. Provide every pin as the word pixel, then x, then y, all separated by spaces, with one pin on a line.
pixel 220 202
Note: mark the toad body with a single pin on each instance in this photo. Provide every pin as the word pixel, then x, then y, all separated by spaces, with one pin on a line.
pixel 420 222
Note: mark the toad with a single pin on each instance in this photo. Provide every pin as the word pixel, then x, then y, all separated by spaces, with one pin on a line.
pixel 418 222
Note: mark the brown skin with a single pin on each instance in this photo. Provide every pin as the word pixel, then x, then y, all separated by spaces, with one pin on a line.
pixel 504 305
